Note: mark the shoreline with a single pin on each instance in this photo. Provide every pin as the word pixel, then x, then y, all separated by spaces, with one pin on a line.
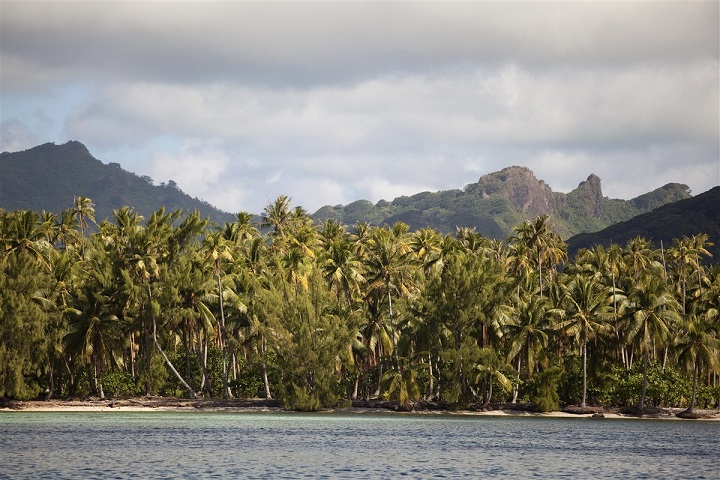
pixel 161 404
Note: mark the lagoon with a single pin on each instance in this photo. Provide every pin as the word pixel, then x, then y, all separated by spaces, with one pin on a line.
pixel 71 445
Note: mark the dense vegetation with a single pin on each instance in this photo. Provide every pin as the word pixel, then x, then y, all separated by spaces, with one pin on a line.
pixel 499 201
pixel 318 314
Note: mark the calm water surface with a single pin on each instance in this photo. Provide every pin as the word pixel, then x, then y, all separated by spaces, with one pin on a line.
pixel 160 445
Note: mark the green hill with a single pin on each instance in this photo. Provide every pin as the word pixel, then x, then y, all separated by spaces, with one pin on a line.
pixel 691 216
pixel 499 201
pixel 47 177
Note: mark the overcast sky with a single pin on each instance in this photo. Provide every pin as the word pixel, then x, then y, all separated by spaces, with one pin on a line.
pixel 331 102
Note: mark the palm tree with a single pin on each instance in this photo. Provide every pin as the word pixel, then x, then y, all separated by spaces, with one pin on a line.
pixel 686 254
pixel 276 216
pixel 218 250
pixel 697 344
pixel 94 327
pixel 83 210
pixel 401 382
pixel 527 332
pixel 651 307
pixel 547 248
pixel 22 231
pixel 587 310
pixel 492 368
pixel 342 269
pixel 390 268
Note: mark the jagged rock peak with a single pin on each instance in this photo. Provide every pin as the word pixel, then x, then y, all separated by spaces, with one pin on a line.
pixel 588 196
pixel 520 186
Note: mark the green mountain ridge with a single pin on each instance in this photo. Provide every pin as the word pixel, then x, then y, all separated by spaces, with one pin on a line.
pixel 687 217
pixel 48 176
pixel 501 200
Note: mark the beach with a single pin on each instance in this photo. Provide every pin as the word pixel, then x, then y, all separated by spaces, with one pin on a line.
pixel 145 404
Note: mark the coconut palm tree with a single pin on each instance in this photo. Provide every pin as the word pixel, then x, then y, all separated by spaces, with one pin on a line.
pixel 651 307
pixel 492 367
pixel 588 310
pixel 527 332
pixel 697 345
pixel 83 210
pixel 218 251
pixel 546 247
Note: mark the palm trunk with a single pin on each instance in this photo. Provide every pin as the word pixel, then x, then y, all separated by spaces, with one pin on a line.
pixel 132 355
pixel 191 392
pixel 694 387
pixel 584 349
pixel 516 387
pixel 430 383
pixel 96 377
pixel 226 389
pixel 357 385
pixel 52 380
pixel 268 395
pixel 641 404
pixel 489 382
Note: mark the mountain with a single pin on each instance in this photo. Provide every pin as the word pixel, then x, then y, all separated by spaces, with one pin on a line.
pixel 691 216
pixel 499 201
pixel 47 177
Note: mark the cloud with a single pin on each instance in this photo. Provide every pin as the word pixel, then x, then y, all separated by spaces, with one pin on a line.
pixel 307 43
pixel 239 102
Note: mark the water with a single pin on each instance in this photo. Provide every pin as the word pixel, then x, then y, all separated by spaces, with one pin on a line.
pixel 162 445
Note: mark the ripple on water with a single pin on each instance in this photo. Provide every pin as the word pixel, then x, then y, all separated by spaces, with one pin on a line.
pixel 275 445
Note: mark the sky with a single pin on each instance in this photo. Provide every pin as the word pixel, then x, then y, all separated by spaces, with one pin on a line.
pixel 332 102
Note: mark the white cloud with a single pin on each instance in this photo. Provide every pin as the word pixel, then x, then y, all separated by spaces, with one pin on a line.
pixel 330 103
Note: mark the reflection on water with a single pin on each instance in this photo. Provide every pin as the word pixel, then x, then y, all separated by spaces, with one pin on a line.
pixel 285 445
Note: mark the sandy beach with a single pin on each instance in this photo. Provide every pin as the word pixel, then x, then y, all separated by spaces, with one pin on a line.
pixel 150 404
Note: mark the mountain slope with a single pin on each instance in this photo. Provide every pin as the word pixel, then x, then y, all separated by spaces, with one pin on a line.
pixel 47 177
pixel 499 201
pixel 691 216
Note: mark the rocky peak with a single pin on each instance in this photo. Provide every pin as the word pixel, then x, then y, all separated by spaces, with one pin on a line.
pixel 588 197
pixel 520 186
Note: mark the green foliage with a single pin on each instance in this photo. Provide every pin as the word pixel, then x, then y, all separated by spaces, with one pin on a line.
pixel 318 315
pixel 299 399
pixel 119 384
pixel 543 389
pixel 23 340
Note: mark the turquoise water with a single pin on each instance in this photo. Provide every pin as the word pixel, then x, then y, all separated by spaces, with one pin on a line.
pixel 160 445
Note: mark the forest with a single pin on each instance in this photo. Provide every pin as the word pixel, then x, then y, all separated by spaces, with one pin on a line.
pixel 321 314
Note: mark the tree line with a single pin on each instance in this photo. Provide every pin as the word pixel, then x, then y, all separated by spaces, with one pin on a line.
pixel 320 314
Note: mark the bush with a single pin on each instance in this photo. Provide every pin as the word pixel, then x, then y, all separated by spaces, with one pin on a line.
pixel 300 400
pixel 119 385
pixel 543 389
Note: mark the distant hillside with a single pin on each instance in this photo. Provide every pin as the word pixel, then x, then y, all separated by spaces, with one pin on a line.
pixel 691 216
pixel 47 177
pixel 499 201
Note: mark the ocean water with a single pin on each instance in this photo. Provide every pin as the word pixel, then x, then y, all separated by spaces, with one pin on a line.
pixel 165 445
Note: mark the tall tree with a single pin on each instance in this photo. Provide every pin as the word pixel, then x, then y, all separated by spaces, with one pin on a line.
pixel 588 311
pixel 651 307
